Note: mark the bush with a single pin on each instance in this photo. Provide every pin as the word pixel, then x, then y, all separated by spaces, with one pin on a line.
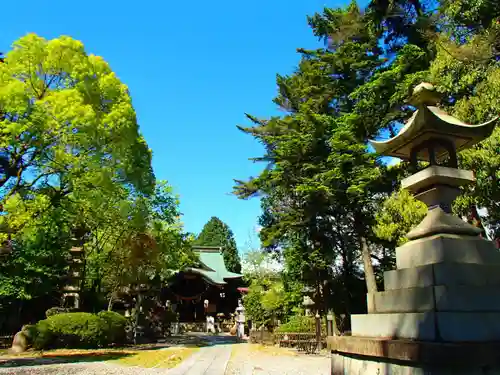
pixel 30 332
pixel 300 324
pixel 44 338
pixel 56 310
pixel 116 324
pixel 72 330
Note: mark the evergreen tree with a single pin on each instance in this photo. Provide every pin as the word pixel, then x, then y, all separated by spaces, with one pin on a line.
pixel 217 233
pixel 322 188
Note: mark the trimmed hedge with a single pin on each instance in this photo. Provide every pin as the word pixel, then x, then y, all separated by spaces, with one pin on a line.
pixel 79 330
pixel 116 326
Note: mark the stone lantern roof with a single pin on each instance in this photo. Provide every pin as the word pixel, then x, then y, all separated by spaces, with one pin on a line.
pixel 429 123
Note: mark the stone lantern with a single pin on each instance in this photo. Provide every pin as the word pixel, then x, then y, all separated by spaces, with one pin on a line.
pixel 308 302
pixel 440 311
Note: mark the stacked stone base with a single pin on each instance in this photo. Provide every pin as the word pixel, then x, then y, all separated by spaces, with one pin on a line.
pixel 439 313
pixel 446 288
pixel 362 355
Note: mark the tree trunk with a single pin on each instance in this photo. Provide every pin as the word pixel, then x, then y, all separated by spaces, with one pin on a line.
pixel 371 283
pixel 137 315
pixel 475 220
pixel 111 299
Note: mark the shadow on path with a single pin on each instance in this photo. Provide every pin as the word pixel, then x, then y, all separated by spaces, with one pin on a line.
pixel 62 359
pixel 199 339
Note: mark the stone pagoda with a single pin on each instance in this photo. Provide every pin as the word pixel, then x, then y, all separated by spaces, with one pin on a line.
pixel 440 311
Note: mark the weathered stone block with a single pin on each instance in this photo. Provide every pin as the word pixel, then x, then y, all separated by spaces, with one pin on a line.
pixel 430 326
pixel 415 326
pixel 401 300
pixel 417 277
pixel 458 298
pixel 469 327
pixel 450 274
pixel 467 298
pixel 447 248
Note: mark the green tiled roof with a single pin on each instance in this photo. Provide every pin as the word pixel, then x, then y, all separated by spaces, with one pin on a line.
pixel 212 265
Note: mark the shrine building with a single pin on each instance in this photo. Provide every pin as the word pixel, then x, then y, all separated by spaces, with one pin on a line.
pixel 207 289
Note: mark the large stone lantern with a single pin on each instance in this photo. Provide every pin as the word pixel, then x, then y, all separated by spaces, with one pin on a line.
pixel 440 311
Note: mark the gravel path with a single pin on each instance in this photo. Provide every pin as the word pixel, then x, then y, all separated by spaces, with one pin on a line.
pixel 246 361
pixel 223 358
pixel 80 369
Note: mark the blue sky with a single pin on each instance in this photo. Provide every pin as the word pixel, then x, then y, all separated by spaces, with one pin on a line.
pixel 193 68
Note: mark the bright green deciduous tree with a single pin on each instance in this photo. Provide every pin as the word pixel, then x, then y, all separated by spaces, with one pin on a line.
pixel 67 126
pixel 398 214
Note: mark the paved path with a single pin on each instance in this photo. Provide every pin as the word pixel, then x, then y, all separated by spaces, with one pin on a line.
pixel 247 361
pixel 211 360
pixel 223 357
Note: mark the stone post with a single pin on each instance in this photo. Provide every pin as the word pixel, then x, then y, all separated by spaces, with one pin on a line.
pixel 240 320
pixel 329 324
pixel 439 312
pixel 318 331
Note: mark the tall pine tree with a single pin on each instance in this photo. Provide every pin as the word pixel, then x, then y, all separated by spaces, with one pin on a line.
pixel 217 233
pixel 322 187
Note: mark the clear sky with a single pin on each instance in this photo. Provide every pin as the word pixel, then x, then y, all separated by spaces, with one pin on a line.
pixel 193 68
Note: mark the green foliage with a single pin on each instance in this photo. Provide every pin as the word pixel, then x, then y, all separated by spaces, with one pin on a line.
pixel 300 324
pixel 44 337
pixel 79 330
pixel 56 310
pixel 37 263
pixel 254 308
pixel 217 233
pixel 30 332
pixel 326 198
pixel 269 298
pixel 398 215
pixel 68 127
pixel 116 324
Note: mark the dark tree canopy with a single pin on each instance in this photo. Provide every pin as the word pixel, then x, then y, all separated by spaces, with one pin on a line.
pixel 217 233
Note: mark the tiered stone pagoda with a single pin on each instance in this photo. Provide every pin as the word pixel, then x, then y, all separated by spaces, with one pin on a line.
pixel 440 311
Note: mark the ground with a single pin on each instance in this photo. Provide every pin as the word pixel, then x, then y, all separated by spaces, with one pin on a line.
pixel 211 356
pixel 248 359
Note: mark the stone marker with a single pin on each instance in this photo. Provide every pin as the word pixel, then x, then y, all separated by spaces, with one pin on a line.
pixel 440 311
pixel 20 343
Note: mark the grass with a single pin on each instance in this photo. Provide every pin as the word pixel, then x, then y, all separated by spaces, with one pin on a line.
pixel 159 358
pixel 165 358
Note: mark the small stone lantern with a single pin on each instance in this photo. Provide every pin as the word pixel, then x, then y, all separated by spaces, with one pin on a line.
pixel 240 320
pixel 308 302
pixel 439 311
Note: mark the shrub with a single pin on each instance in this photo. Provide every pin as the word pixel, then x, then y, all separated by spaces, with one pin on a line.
pixel 56 310
pixel 30 332
pixel 72 330
pixel 116 324
pixel 300 324
pixel 44 338
pixel 79 330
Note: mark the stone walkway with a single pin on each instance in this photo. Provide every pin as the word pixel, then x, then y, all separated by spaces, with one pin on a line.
pixel 248 360
pixel 223 357
pixel 207 361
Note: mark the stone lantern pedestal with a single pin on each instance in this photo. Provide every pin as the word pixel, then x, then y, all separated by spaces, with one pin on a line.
pixel 439 312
